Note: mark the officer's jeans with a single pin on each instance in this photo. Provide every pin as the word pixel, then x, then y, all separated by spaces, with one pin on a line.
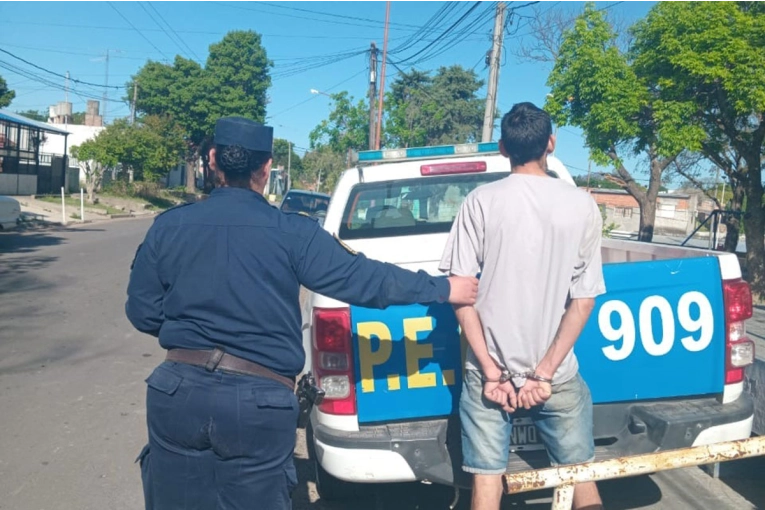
pixel 217 441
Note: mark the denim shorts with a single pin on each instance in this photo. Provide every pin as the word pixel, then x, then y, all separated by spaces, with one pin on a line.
pixel 564 424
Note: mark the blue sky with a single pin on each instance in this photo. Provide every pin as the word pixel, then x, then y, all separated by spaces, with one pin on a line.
pixel 76 36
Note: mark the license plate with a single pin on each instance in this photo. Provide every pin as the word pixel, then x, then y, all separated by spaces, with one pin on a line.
pixel 525 437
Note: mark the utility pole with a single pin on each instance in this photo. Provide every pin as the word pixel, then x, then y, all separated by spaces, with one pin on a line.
pixel 133 106
pixel 496 53
pixel 106 88
pixel 289 165
pixel 372 92
pixel 382 78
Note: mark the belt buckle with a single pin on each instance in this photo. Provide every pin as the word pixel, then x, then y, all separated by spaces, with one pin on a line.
pixel 214 360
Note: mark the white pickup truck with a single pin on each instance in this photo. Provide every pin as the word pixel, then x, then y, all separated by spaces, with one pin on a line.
pixel 663 353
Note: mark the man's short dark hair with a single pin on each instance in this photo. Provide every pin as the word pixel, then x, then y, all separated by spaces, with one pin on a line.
pixel 526 132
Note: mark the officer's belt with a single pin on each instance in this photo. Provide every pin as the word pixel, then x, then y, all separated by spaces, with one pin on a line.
pixel 217 359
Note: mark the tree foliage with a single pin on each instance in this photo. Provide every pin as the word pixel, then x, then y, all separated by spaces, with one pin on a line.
pixel 712 56
pixel 346 128
pixel 6 94
pixel 233 82
pixel 284 155
pixel 596 88
pixel 34 115
pixel 434 110
pixel 147 150
pixel 322 169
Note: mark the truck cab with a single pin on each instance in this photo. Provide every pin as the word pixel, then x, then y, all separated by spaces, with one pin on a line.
pixel 663 353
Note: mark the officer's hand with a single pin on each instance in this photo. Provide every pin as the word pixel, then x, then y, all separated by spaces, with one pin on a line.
pixel 463 290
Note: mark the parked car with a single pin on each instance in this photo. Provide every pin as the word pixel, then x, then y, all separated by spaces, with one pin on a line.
pixel 310 203
pixel 10 210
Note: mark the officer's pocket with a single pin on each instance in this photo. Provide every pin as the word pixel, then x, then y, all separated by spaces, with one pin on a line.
pixel 164 380
pixel 275 399
pixel 278 410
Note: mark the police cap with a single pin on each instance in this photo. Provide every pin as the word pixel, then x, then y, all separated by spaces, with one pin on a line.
pixel 245 132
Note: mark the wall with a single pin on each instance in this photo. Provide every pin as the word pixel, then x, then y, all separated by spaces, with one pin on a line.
pixel 54 144
pixel 15 184
pixel 675 214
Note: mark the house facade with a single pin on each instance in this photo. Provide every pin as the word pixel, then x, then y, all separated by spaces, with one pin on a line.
pixel 676 212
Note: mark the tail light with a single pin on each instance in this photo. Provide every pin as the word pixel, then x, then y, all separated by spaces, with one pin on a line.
pixel 332 359
pixel 739 348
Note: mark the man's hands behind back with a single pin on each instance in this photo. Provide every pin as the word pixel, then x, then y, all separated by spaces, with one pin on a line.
pixel 463 290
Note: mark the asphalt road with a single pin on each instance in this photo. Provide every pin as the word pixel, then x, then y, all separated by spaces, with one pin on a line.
pixel 72 409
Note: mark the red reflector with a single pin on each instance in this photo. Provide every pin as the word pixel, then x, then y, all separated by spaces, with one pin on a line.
pixel 734 375
pixel 738 300
pixel 332 329
pixel 465 167
pixel 346 406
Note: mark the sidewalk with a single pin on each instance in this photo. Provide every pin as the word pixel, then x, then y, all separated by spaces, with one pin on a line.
pixel 33 209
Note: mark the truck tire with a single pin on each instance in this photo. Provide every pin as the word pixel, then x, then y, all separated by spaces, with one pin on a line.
pixel 328 487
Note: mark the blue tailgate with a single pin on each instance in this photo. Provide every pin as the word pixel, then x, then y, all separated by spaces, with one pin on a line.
pixel 657 333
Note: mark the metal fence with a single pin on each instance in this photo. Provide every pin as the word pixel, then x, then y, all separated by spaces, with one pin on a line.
pixel 564 478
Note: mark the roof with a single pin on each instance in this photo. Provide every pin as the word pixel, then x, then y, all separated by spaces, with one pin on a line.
pixel 24 121
pixel 613 191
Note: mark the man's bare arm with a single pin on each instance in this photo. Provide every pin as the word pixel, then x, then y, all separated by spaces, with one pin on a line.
pixel 536 392
pixel 470 322
pixel 571 326
pixel 500 393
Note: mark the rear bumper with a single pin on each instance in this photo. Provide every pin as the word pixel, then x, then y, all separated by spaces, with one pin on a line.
pixel 430 450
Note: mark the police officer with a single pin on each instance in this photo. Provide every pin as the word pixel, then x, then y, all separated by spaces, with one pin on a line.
pixel 218 283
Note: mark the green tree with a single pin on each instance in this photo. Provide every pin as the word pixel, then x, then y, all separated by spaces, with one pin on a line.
pixel 146 150
pixel 596 88
pixel 713 56
pixel 78 118
pixel 285 156
pixel 34 115
pixel 347 127
pixel 433 110
pixel 6 94
pixel 93 157
pixel 322 169
pixel 234 81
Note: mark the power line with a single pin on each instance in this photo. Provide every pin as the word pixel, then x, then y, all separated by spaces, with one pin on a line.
pixel 191 51
pixel 58 75
pixel 164 30
pixel 138 31
pixel 315 96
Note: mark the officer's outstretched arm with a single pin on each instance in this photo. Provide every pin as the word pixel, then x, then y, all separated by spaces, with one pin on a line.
pixel 326 266
pixel 145 291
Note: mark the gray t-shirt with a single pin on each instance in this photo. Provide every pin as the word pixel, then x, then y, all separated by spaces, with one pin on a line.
pixel 536 242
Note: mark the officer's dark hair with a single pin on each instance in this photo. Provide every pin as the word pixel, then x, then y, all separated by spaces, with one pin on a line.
pixel 238 163
pixel 526 132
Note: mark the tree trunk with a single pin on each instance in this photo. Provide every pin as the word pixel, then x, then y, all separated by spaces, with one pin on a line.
pixel 647 220
pixel 754 222
pixel 732 222
pixel 191 176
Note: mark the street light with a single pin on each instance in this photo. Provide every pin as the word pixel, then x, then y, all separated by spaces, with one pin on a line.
pixel 314 91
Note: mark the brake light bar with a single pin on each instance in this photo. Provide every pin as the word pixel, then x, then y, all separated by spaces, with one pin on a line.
pixel 453 168
pixel 427 152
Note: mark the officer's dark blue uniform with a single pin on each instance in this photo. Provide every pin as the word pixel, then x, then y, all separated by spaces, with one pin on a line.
pixel 226 273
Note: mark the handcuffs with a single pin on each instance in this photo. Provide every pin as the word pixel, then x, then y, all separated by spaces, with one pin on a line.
pixel 519 378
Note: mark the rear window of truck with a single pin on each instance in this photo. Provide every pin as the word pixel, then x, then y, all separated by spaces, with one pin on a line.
pixel 408 207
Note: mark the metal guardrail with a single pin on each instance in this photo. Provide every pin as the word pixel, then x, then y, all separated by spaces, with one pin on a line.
pixel 563 478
